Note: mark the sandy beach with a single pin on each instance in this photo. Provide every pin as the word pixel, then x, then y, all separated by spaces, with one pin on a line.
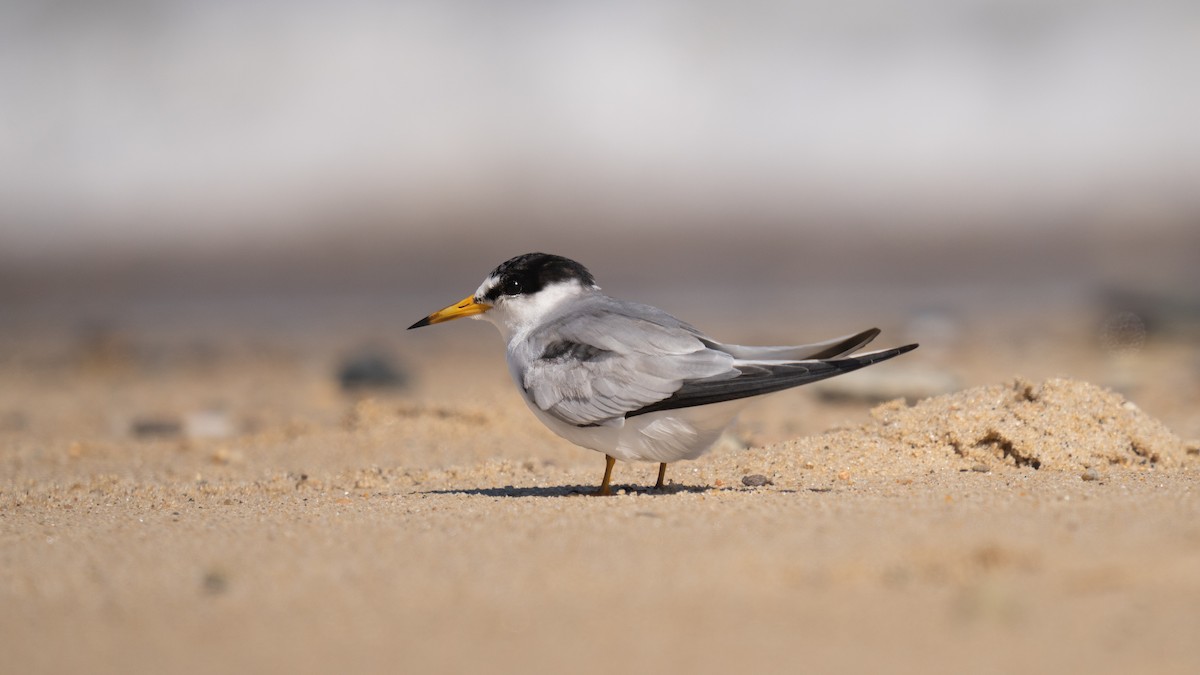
pixel 221 451
pixel 231 509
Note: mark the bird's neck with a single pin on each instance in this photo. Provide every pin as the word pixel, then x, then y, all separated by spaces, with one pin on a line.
pixel 522 314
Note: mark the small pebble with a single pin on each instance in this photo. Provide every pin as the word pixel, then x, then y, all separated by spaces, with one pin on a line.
pixel 214 583
pixel 756 480
pixel 370 370
pixel 980 468
pixel 1091 474
pixel 207 424
pixel 155 427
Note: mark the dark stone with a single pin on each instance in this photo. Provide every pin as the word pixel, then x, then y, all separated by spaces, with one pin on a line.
pixel 370 370
pixel 156 427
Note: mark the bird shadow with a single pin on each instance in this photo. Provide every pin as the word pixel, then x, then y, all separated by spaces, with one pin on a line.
pixel 571 491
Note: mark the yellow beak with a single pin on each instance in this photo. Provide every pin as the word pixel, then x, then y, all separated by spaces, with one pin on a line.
pixel 466 307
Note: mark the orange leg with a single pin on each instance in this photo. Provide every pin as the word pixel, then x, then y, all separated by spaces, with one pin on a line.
pixel 604 490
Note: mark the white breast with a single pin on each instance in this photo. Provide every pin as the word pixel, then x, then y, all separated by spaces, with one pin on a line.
pixel 664 436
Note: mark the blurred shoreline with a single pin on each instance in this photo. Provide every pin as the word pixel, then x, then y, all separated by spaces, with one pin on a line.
pixel 974 272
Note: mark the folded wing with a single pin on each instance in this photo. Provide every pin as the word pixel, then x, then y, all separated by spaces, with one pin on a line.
pixel 754 379
pixel 604 364
pixel 829 349
pixel 599 367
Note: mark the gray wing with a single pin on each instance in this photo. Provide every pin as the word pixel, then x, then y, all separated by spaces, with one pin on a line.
pixel 756 378
pixel 610 360
pixel 828 349
pixel 604 362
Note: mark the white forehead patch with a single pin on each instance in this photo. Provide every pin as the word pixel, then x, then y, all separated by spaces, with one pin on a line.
pixel 488 284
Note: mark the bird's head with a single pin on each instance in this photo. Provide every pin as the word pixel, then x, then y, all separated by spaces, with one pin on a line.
pixel 519 292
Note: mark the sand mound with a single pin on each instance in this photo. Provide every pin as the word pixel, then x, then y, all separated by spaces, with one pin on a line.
pixel 1059 424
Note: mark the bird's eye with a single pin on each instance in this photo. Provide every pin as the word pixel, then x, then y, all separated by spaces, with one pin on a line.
pixel 512 287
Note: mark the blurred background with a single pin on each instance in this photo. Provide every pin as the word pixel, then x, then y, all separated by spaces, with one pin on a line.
pixel 1013 177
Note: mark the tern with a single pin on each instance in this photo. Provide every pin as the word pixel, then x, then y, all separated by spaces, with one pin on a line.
pixel 627 379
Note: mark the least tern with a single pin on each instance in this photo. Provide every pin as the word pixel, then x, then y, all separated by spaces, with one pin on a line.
pixel 627 379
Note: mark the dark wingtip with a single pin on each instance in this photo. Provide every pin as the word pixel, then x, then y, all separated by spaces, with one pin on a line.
pixel 422 322
pixel 907 348
pixel 847 346
pixel 866 337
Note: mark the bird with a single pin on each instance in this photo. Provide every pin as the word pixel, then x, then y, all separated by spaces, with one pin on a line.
pixel 627 379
